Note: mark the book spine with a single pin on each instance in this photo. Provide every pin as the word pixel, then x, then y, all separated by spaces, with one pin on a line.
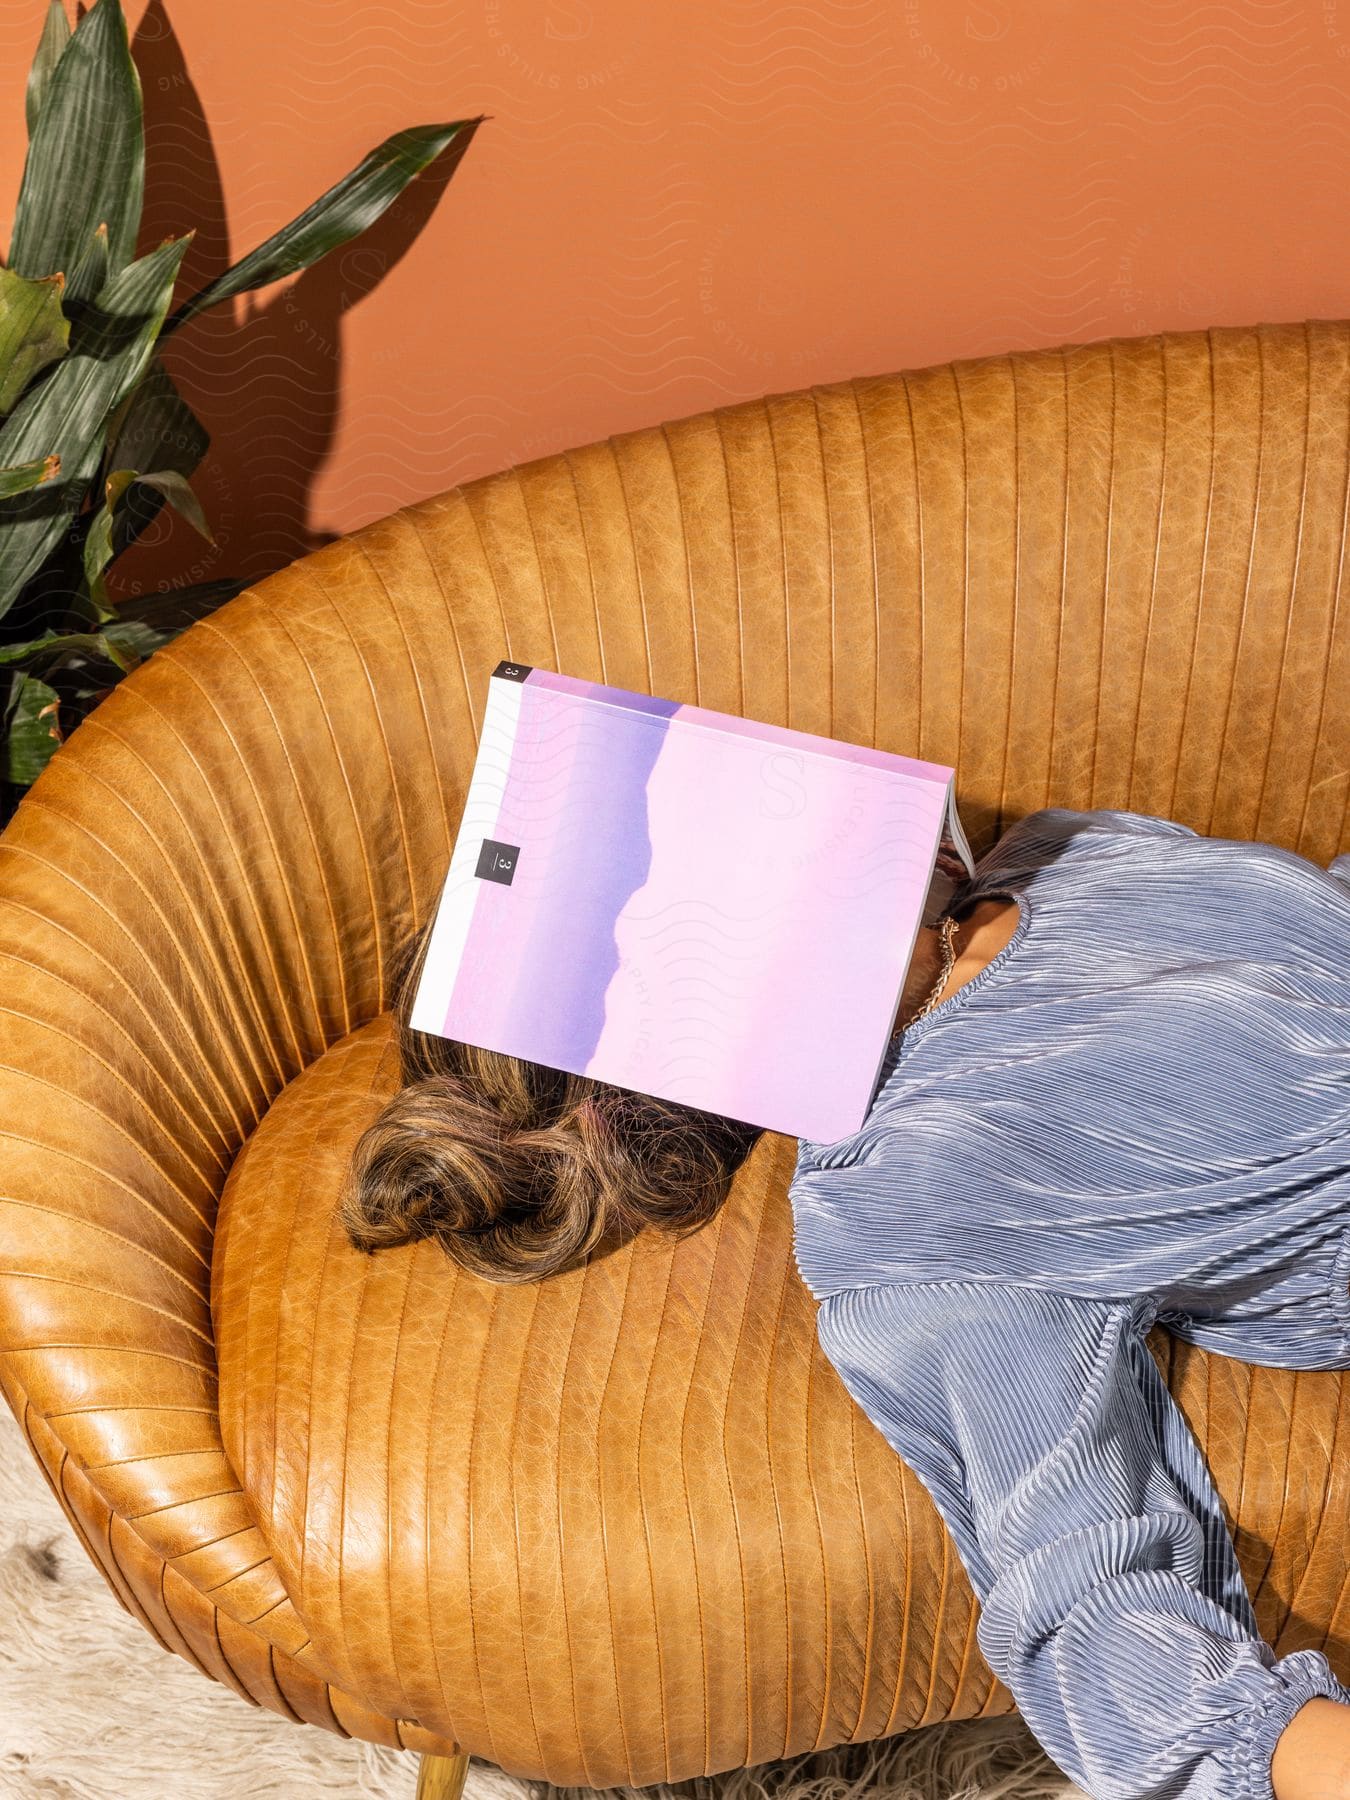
pixel 956 832
pixel 474 835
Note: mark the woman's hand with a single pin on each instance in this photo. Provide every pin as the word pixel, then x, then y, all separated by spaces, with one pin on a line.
pixel 1312 1755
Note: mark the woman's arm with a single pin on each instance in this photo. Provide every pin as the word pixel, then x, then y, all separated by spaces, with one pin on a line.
pixel 1312 1758
pixel 1112 1603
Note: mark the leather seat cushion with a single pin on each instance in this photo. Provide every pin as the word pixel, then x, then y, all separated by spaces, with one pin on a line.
pixel 636 1494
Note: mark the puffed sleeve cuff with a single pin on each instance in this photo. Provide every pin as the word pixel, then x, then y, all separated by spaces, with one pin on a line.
pixel 1303 1675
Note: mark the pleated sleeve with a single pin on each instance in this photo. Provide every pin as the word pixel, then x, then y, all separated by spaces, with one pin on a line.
pixel 1112 1605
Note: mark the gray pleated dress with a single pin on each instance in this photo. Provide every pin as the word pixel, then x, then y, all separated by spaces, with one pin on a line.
pixel 1139 1109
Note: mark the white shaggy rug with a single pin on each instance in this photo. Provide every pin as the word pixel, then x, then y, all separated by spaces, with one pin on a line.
pixel 92 1709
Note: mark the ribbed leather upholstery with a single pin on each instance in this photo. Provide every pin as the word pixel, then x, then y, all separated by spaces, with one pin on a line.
pixel 626 1525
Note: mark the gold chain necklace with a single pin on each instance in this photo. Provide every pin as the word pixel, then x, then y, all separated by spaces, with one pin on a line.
pixel 947 928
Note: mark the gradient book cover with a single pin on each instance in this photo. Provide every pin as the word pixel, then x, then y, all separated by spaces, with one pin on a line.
pixel 683 902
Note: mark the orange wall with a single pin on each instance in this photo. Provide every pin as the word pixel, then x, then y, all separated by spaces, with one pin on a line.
pixel 680 204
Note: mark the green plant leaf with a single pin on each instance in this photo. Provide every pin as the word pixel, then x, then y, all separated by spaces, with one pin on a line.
pixel 180 496
pixel 28 475
pixel 102 543
pixel 173 610
pixel 336 216
pixel 119 649
pixel 125 642
pixel 49 644
pixel 98 543
pixel 136 636
pixel 33 331
pixel 34 732
pixel 67 412
pixel 101 539
pixel 155 428
pixel 55 37
pixel 91 271
pixel 86 157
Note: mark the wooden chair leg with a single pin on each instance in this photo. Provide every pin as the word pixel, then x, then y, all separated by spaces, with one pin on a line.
pixel 442 1777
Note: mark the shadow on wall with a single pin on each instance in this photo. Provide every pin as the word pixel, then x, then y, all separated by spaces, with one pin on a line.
pixel 276 372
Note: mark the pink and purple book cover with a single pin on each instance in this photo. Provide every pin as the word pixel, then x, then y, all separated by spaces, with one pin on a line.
pixel 687 903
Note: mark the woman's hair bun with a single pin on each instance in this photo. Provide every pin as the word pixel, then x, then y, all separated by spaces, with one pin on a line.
pixel 508 1201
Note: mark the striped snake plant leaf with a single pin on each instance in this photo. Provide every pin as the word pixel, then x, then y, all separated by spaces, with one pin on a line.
pixel 173 610
pixel 337 216
pixel 55 37
pixel 33 331
pixel 65 413
pixel 52 643
pixel 91 268
pixel 154 428
pixel 128 634
pixel 32 727
pixel 33 730
pixel 86 158
pixel 28 475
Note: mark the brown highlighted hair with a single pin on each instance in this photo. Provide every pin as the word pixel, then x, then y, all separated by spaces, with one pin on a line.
pixel 518 1170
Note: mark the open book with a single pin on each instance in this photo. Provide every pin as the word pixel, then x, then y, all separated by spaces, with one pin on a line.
pixel 687 903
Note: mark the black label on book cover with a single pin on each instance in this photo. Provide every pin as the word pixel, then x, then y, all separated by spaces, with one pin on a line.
pixel 497 862
pixel 510 671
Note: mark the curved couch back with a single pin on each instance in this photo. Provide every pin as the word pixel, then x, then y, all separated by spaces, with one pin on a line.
pixel 1100 576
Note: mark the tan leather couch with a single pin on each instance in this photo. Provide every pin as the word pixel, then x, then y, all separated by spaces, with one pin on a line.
pixel 626 1525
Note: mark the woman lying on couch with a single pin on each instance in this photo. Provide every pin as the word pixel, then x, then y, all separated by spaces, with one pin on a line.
pixel 1120 1093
